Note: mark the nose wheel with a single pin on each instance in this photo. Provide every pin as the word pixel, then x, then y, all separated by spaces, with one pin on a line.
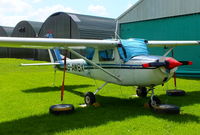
pixel 155 105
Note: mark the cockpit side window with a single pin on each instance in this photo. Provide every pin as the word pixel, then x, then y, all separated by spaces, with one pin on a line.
pixel 89 53
pixel 106 55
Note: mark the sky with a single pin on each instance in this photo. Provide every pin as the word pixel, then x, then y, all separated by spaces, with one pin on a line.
pixel 14 11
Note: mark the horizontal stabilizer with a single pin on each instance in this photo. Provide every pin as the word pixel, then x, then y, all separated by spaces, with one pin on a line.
pixel 40 64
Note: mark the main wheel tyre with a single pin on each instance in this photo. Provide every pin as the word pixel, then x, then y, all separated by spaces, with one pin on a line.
pixel 89 98
pixel 61 109
pixel 175 92
pixel 156 101
pixel 141 91
pixel 167 109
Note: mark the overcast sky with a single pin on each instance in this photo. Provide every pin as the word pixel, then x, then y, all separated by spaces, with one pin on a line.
pixel 14 11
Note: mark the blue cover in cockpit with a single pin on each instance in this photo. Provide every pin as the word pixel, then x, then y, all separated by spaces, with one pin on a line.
pixel 131 48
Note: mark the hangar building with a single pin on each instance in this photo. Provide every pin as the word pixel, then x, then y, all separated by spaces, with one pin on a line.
pixel 5 32
pixel 25 29
pixel 70 25
pixel 166 20
pixel 77 26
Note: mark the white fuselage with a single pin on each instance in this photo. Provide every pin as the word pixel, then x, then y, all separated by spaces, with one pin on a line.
pixel 130 73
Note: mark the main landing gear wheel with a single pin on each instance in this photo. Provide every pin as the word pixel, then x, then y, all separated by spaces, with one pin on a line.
pixel 141 91
pixel 175 92
pixel 89 98
pixel 61 109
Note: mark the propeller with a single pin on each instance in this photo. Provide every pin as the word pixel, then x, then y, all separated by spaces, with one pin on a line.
pixel 63 81
pixel 182 63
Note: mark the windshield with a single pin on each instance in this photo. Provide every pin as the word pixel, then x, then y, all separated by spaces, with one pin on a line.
pixel 131 48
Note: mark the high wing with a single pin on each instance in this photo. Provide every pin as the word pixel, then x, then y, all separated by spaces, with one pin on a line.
pixel 171 43
pixel 48 43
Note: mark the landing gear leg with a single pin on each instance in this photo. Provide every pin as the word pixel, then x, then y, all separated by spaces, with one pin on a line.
pixel 154 100
pixel 90 97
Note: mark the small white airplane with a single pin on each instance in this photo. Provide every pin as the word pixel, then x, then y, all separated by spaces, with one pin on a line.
pixel 122 62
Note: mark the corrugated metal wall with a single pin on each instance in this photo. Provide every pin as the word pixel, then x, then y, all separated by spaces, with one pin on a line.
pixel 92 27
pixel 3 50
pixel 5 32
pixel 8 30
pixel 175 28
pixel 154 9
pixel 22 29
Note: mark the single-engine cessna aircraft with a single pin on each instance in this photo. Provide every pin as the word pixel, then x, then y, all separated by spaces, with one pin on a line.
pixel 122 62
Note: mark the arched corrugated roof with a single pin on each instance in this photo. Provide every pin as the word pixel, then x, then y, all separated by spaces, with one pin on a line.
pixel 5 31
pixel 60 25
pixel 70 25
pixel 26 29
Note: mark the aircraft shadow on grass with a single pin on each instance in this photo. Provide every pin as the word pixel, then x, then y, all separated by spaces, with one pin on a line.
pixel 112 109
pixel 53 89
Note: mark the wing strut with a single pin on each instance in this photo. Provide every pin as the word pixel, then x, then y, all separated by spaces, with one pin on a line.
pixel 94 64
pixel 170 50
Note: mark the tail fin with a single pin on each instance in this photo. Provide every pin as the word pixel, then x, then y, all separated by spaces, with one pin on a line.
pixel 55 55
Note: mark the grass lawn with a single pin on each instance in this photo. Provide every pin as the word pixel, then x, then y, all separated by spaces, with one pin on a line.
pixel 26 93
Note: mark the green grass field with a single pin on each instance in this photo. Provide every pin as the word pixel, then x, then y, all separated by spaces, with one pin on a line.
pixel 26 93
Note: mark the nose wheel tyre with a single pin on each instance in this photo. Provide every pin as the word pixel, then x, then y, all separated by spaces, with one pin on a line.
pixel 89 98
pixel 155 105
pixel 167 109
pixel 141 91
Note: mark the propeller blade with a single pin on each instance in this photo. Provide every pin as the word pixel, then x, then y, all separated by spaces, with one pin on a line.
pixel 63 81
